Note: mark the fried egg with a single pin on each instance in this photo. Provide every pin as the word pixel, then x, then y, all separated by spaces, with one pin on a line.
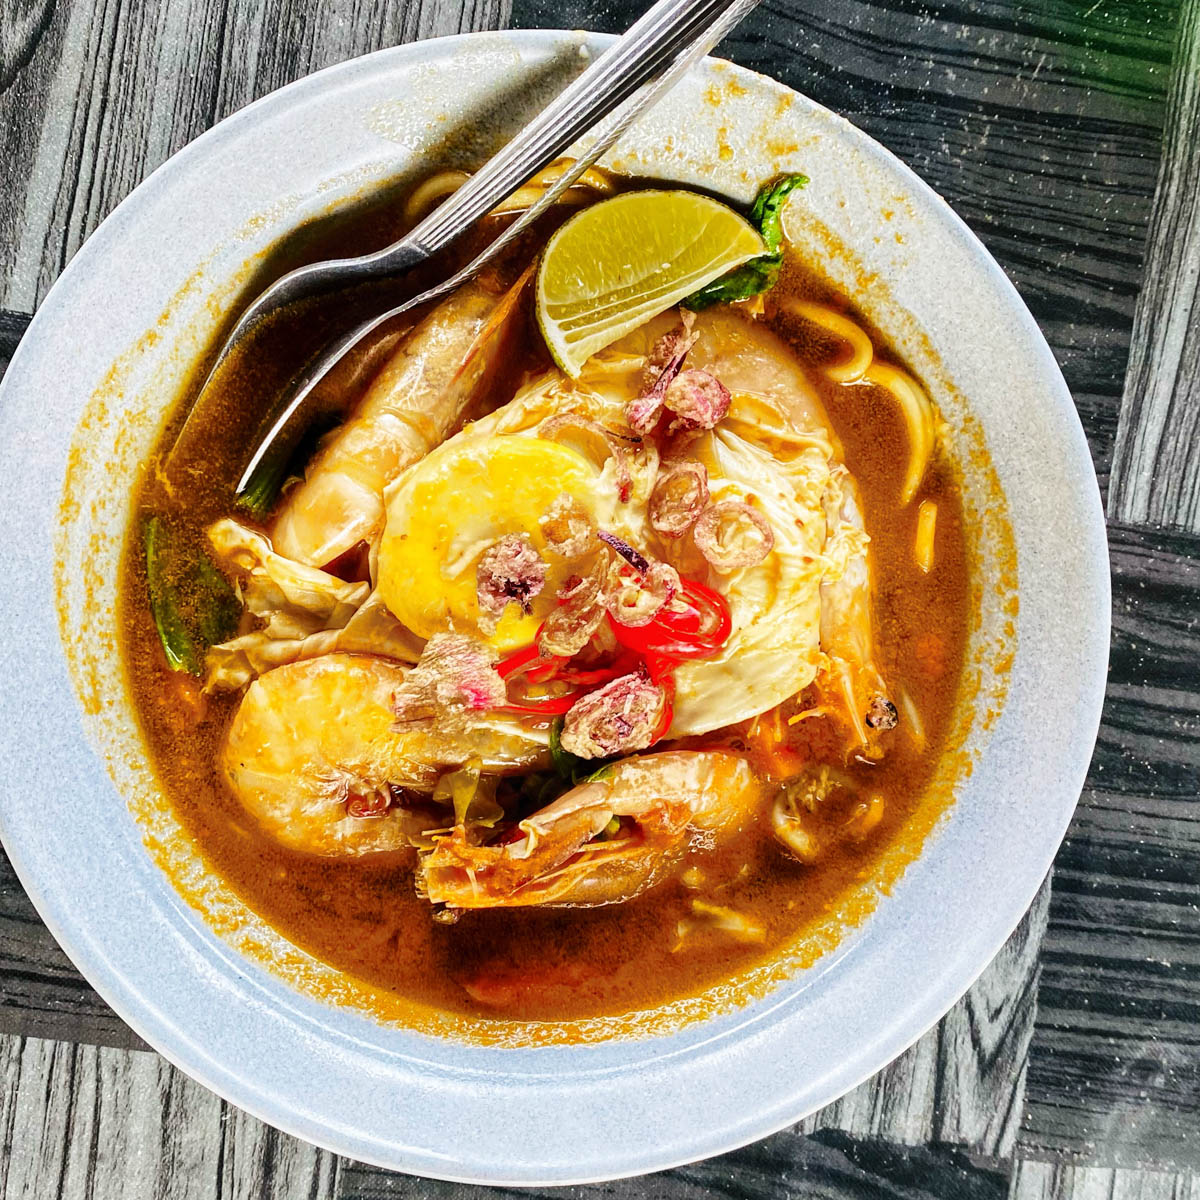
pixel 447 509
pixel 774 451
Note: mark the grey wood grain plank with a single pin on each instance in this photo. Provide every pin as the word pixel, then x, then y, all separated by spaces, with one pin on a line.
pixel 1060 1181
pixel 87 1123
pixel 41 992
pixel 96 95
pixel 787 1166
pixel 1156 468
pixel 12 329
pixel 1114 1065
pixel 962 1083
pixel 258 1162
pixel 1041 123
pixel 19 32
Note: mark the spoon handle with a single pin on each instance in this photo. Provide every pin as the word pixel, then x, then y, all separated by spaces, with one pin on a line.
pixel 605 135
pixel 646 50
pixel 602 137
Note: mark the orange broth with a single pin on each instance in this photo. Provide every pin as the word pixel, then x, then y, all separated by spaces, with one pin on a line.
pixel 362 915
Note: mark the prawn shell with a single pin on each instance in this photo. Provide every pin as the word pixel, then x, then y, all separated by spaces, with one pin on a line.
pixel 677 801
pixel 431 383
pixel 311 734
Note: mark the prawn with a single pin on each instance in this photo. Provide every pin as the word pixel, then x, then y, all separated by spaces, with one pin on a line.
pixel 604 841
pixel 432 382
pixel 313 752
pixel 803 615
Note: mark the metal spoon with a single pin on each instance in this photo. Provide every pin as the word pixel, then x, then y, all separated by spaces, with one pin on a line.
pixel 629 77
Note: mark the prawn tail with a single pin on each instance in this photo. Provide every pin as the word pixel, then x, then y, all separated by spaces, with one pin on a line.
pixel 499 331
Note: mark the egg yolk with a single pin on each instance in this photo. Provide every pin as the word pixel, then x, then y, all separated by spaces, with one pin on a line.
pixel 450 507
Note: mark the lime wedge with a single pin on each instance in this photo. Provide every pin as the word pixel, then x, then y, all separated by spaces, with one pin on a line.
pixel 618 263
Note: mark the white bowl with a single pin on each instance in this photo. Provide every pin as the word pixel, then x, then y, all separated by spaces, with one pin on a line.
pixel 231 1003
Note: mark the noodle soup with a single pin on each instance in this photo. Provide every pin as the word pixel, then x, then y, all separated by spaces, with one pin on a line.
pixel 541 689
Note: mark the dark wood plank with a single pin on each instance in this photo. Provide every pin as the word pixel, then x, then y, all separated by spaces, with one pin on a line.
pixel 96 95
pixel 789 1165
pixel 260 1163
pixel 1114 1069
pixel 1156 470
pixel 84 1123
pixel 41 992
pixel 1040 123
pixel 12 329
pixel 963 1083
pixel 1058 1181
pixel 23 25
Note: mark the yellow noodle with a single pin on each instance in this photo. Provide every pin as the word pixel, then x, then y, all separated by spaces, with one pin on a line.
pixel 430 192
pixel 926 528
pixel 527 196
pixel 852 369
pixel 593 177
pixel 862 367
pixel 918 416
pixel 820 710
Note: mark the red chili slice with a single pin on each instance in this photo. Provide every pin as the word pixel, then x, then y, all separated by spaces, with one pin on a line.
pixel 695 624
pixel 529 661
pixel 698 628
pixel 537 668
pixel 518 661
pixel 707 617
pixel 659 668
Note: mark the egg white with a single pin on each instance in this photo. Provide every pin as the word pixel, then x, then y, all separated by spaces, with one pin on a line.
pixel 774 451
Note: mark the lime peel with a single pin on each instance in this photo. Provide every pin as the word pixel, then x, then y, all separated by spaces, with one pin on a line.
pixel 617 264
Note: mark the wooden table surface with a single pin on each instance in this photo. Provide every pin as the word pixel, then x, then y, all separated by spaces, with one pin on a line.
pixel 1067 134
